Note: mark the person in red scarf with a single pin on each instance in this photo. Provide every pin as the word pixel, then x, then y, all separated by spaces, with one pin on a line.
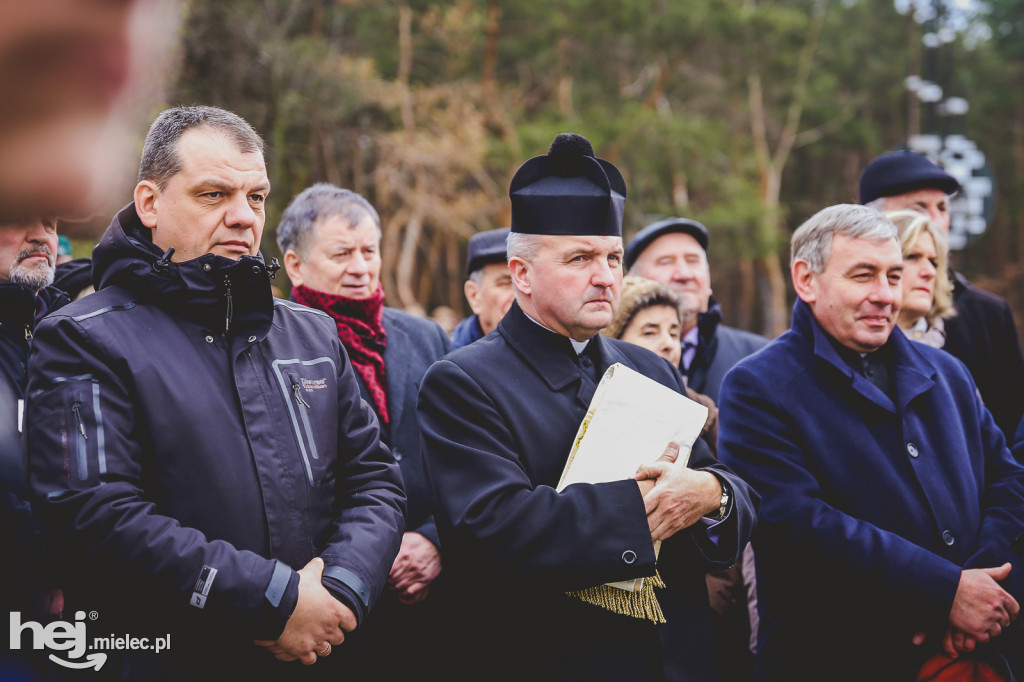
pixel 330 238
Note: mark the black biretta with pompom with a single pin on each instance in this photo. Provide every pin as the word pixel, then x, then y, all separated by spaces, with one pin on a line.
pixel 568 191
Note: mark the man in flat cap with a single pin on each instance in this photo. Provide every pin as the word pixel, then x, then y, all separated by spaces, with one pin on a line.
pixel 488 287
pixel 674 252
pixel 983 333
pixel 499 418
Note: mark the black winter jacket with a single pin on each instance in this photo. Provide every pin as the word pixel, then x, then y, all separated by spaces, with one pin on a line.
pixel 29 568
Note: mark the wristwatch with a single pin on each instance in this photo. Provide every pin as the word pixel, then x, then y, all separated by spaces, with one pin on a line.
pixel 724 504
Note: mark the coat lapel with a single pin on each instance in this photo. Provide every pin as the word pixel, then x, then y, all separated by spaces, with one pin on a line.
pixel 549 354
pixel 912 374
pixel 823 349
pixel 397 368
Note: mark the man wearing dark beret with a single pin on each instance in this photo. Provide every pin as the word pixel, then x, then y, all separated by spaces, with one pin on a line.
pixel 982 334
pixel 499 418
pixel 488 286
pixel 674 252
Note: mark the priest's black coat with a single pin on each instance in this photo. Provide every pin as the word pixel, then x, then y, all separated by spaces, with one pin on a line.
pixel 498 419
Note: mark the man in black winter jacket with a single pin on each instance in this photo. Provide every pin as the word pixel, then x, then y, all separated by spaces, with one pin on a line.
pixel 201 448
pixel 27 251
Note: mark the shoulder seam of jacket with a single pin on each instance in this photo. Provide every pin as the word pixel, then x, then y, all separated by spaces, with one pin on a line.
pixel 107 309
pixel 299 308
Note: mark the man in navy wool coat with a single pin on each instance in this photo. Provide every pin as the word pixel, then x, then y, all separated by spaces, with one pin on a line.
pixel 892 518
pixel 499 417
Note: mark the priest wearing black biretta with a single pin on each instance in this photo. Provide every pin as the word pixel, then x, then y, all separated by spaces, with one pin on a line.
pixel 527 565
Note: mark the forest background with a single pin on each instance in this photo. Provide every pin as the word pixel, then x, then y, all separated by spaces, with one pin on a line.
pixel 746 115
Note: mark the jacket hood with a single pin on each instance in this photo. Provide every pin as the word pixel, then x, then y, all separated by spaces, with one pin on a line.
pixel 21 307
pixel 73 276
pixel 220 293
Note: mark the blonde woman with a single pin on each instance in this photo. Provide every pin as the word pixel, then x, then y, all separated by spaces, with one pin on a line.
pixel 927 290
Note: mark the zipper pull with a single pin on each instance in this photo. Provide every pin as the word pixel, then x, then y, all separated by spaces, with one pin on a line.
pixel 164 262
pixel 28 333
pixel 297 390
pixel 76 408
pixel 229 305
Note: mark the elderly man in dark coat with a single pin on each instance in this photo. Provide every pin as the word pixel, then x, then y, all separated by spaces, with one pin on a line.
pixel 983 333
pixel 674 252
pixel 499 418
pixel 891 524
pixel 488 286
pixel 27 251
pixel 330 238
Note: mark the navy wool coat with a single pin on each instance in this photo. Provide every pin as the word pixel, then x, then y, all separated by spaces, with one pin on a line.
pixel 414 343
pixel 499 418
pixel 871 506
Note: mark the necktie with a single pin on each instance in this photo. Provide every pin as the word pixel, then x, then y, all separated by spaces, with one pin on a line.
pixel 689 352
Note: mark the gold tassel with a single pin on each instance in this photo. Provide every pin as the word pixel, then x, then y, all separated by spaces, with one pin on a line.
pixel 641 603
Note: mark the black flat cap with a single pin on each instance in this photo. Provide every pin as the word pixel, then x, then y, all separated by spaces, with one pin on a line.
pixel 646 236
pixel 901 172
pixel 568 191
pixel 486 248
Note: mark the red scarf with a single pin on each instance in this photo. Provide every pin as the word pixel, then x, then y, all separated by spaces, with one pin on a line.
pixel 360 324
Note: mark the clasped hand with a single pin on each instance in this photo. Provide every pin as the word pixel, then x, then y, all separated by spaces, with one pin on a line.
pixel 318 620
pixel 981 610
pixel 675 496
pixel 417 565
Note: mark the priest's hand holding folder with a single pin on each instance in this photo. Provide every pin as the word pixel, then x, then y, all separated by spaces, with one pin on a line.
pixel 675 496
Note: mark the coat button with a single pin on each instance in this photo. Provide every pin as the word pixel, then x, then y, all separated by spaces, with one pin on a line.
pixel 251 339
pixel 912 450
pixel 255 269
pixel 397 455
pixel 629 556
pixel 209 339
pixel 948 538
pixel 206 267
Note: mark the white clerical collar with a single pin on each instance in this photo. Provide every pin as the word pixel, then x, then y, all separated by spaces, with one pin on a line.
pixel 578 346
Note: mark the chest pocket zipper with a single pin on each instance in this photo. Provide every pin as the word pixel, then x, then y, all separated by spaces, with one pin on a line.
pixel 297 402
pixel 304 416
pixel 297 390
pixel 81 450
